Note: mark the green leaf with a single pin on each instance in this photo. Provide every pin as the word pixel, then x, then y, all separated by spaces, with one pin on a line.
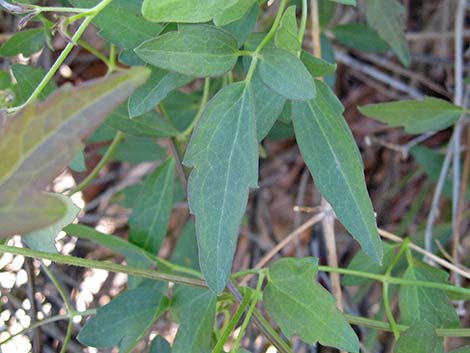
pixel 123 321
pixel 155 90
pixel 317 67
pixel 332 156
pixel 53 130
pixel 137 150
pixel 303 307
pixel 233 10
pixel 183 11
pixel 430 114
pixel 122 23
pixel 224 154
pixel 151 213
pixel 419 304
pixel 243 27
pixel 285 74
pixel 286 35
pixel 44 239
pixel 286 114
pixel 185 252
pixel 387 17
pixel 346 2
pixel 28 78
pixel 193 50
pixel 419 338
pixel 195 310
pixel 360 37
pixel 182 108
pixel 25 42
pixel 160 345
pixel 465 349
pixel 268 106
pixel 150 124
pixel 363 263
pixel 78 163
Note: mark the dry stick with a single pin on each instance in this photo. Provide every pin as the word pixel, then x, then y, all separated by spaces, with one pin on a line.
pixel 266 258
pixel 390 236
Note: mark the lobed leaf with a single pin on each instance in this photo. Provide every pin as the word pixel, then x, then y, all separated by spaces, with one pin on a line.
pixel 193 50
pixel 419 338
pixel 430 114
pixel 303 307
pixel 224 154
pixel 151 212
pixel 39 142
pixel 387 17
pixel 285 74
pixel 123 321
pixel 331 154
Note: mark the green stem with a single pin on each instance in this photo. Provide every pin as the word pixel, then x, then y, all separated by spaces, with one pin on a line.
pixel 93 51
pixel 107 266
pixel 112 59
pixel 64 54
pixel 68 336
pixel 303 25
pixel 102 163
pixel 396 280
pixel 205 98
pixel 59 9
pixel 231 326
pixel 47 321
pixel 383 326
pixel 388 310
pixel 254 301
pixel 91 12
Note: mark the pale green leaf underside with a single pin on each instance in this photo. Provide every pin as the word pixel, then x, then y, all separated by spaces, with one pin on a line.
pixel 419 338
pixel 152 209
pixel 387 17
pixel 224 153
pixel 124 321
pixel 332 156
pixel 193 50
pixel 285 74
pixel 303 307
pixel 44 239
pixel 38 143
pixel 430 114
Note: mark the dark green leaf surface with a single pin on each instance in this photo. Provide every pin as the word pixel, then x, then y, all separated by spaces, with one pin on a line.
pixel 419 338
pixel 195 309
pixel 361 37
pixel 286 35
pixel 25 42
pixel 159 84
pixel 285 74
pixel 124 321
pixel 78 163
pixel 224 153
pixel 151 212
pixel 430 114
pixel 332 156
pixel 38 143
pixel 303 307
pixel 150 124
pixel 137 150
pixel 28 78
pixel 418 304
pixel 233 10
pixel 243 27
pixel 193 50
pixel 387 17
pixel 183 11
pixel 317 67
pixel 44 239
pixel 160 345
pixel 185 252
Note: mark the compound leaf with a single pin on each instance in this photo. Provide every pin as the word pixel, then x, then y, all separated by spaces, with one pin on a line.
pixel 419 338
pixel 157 87
pixel 151 212
pixel 419 304
pixel 193 50
pixel 387 18
pixel 331 154
pixel 124 321
pixel 25 42
pixel 224 153
pixel 285 74
pixel 303 307
pixel 430 114
pixel 39 141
